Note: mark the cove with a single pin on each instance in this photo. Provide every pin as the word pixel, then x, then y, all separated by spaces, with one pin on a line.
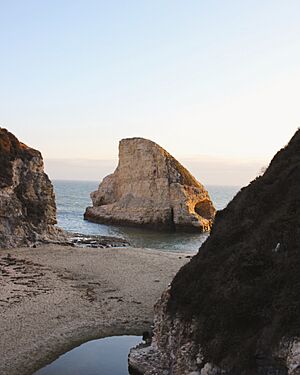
pixel 107 356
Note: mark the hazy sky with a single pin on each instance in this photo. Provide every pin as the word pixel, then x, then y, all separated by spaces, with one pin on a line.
pixel 213 78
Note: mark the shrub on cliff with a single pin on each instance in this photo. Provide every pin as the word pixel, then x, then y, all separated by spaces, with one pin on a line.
pixel 243 287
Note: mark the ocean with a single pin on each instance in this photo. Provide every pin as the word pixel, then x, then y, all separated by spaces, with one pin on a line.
pixel 72 197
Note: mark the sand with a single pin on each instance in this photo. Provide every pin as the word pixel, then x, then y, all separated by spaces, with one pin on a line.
pixel 54 298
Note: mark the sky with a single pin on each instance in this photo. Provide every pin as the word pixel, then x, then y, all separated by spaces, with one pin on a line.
pixel 216 83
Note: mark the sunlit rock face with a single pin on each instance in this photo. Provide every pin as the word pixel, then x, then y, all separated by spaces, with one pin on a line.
pixel 235 307
pixel 27 202
pixel 151 188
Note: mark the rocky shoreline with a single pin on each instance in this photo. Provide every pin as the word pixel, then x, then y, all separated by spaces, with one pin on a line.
pixel 82 240
pixel 232 310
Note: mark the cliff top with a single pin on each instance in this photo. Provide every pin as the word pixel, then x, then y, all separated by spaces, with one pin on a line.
pixel 9 144
pixel 11 149
pixel 186 178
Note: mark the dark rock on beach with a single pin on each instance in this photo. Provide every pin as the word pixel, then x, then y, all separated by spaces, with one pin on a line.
pixel 81 240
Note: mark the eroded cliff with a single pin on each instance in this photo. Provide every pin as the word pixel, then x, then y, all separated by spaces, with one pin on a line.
pixel 151 188
pixel 235 308
pixel 27 202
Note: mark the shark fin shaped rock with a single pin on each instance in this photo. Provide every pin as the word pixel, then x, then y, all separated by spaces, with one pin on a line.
pixel 151 188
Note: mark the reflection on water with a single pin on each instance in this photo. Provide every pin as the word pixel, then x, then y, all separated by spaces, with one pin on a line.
pixel 106 356
pixel 73 197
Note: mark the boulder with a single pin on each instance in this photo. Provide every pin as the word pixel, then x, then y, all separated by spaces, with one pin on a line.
pixel 27 201
pixel 235 307
pixel 150 188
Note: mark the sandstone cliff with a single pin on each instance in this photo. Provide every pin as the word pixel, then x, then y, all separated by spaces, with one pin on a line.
pixel 151 188
pixel 235 308
pixel 27 202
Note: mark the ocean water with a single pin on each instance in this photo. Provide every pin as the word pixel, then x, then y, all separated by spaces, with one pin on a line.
pixel 72 197
pixel 106 356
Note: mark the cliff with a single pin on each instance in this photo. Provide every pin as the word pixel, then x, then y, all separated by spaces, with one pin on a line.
pixel 235 308
pixel 151 188
pixel 27 202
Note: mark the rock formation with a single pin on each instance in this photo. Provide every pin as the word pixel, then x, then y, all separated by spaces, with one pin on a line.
pixel 27 202
pixel 235 308
pixel 151 188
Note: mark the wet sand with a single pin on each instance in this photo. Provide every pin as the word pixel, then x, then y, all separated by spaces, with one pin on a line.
pixel 54 298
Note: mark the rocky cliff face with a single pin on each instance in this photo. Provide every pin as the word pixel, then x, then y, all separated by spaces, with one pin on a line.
pixel 151 188
pixel 235 308
pixel 27 202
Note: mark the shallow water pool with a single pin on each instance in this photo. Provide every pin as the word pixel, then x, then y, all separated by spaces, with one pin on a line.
pixel 106 356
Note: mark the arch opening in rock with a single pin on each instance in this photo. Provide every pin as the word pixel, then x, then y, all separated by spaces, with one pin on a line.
pixel 204 209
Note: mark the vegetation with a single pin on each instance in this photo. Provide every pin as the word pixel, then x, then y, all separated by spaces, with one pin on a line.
pixel 243 287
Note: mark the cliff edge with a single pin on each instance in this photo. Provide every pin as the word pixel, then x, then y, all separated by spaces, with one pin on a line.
pixel 27 202
pixel 235 307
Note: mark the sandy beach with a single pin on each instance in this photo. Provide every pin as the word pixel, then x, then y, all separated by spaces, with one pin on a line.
pixel 54 298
